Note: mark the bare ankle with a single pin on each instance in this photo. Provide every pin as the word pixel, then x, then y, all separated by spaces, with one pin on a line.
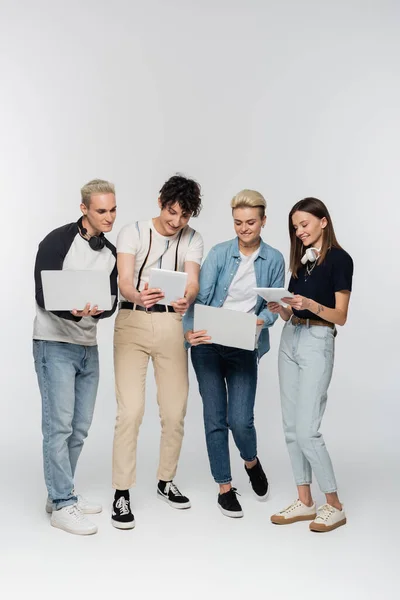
pixel 333 500
pixel 305 495
pixel 224 487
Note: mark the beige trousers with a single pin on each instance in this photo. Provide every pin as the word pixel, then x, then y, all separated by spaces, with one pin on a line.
pixel 139 336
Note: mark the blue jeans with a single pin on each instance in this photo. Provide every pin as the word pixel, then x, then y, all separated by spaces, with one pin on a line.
pixel 227 380
pixel 68 376
pixel 305 369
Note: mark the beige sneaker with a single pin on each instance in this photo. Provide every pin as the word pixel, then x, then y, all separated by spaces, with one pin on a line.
pixel 295 512
pixel 328 518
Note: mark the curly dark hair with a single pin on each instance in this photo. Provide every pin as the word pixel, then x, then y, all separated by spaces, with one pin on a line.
pixel 186 192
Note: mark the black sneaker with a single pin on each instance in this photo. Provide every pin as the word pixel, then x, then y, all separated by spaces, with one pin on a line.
pixel 167 491
pixel 258 480
pixel 229 504
pixel 122 517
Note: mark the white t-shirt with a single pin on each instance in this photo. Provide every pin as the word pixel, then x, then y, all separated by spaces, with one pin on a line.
pixel 241 294
pixel 135 239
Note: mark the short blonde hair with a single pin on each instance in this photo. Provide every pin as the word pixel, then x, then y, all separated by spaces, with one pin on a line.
pixel 96 186
pixel 251 199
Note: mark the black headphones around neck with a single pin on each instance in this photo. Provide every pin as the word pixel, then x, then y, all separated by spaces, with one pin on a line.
pixel 96 242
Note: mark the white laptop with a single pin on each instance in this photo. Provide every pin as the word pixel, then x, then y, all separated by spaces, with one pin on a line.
pixel 227 327
pixel 70 289
pixel 172 283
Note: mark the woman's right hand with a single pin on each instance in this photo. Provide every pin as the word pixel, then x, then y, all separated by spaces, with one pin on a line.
pixel 195 338
pixel 275 308
pixel 278 309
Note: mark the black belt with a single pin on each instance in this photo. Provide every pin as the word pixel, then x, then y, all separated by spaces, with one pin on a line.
pixel 156 308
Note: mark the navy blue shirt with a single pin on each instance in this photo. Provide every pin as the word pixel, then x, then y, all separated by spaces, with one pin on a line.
pixel 335 274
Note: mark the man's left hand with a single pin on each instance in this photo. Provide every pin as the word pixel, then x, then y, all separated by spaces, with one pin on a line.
pixel 180 306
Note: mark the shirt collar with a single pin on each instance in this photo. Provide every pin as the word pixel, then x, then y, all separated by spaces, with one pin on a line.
pixel 262 253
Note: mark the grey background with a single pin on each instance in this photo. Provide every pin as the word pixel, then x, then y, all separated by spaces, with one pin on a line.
pixel 289 98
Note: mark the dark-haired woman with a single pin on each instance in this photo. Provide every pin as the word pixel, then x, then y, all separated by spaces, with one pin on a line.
pixel 321 283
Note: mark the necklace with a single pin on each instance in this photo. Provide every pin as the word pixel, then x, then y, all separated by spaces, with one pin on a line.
pixel 309 270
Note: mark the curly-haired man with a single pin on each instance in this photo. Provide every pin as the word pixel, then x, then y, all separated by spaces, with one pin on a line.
pixel 145 329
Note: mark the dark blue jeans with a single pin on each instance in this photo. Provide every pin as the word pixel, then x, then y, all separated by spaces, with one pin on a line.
pixel 227 380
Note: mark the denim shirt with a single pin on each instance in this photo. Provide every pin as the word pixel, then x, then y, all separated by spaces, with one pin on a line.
pixel 216 276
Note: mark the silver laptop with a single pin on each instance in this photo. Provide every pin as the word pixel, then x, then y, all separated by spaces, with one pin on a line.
pixel 227 327
pixel 70 289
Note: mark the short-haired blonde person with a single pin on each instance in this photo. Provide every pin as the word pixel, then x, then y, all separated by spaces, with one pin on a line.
pixel 66 356
pixel 227 376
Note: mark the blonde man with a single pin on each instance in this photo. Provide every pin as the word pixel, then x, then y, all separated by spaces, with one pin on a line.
pixel 66 356
pixel 227 376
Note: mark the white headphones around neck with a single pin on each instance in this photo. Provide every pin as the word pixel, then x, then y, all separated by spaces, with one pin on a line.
pixel 311 255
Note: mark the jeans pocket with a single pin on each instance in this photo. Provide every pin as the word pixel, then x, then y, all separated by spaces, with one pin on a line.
pixel 318 332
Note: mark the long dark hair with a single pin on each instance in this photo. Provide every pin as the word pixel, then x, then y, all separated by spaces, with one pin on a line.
pixel 318 209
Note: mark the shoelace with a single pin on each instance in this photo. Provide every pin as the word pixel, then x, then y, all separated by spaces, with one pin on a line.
pixel 123 505
pixel 290 507
pixel 325 512
pixel 232 501
pixel 173 488
pixel 75 513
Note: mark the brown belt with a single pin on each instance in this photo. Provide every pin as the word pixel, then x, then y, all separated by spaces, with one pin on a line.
pixel 308 322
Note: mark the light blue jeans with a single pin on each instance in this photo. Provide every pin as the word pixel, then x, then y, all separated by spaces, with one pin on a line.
pixel 306 356
pixel 68 376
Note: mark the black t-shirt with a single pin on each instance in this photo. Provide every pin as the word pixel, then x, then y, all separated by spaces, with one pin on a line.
pixel 335 274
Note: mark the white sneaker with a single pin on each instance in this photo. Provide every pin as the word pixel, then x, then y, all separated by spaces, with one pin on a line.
pixel 71 519
pixel 87 507
pixel 293 513
pixel 328 518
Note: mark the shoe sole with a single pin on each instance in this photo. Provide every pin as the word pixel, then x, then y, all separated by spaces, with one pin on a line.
pixel 173 504
pixel 49 511
pixel 118 525
pixel 319 528
pixel 231 514
pixel 59 526
pixel 262 498
pixel 276 520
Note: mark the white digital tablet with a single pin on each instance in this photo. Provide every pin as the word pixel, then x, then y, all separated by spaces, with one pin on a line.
pixel 172 283
pixel 274 294
pixel 226 327
pixel 70 289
